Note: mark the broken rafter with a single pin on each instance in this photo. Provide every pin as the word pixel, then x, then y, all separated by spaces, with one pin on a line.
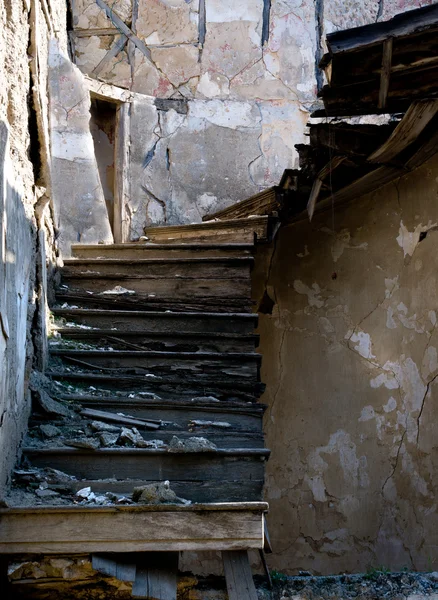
pixel 316 188
pixel 385 73
pixel 417 117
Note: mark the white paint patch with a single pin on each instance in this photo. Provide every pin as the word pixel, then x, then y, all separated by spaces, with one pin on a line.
pixel 432 317
pixel 390 323
pixel 304 254
pixel 390 405
pixel 72 146
pixel 386 379
pixel 430 362
pixel 313 294
pixel 227 11
pixel 408 240
pixel 225 113
pixel 367 414
pixel 391 286
pixel 363 344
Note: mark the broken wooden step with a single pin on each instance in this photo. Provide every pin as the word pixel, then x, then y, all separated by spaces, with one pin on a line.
pixel 246 231
pixel 161 321
pixel 152 340
pixel 153 302
pixel 177 387
pixel 200 491
pixel 136 288
pixel 230 364
pixel 83 529
pixel 199 267
pixel 152 465
pixel 139 250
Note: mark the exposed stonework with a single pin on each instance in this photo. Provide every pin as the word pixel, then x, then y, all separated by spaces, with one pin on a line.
pixel 349 357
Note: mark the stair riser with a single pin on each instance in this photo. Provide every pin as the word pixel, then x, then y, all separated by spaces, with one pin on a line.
pixel 175 343
pixel 192 270
pixel 159 467
pixel 145 251
pixel 172 390
pixel 203 491
pixel 163 367
pixel 161 289
pixel 157 323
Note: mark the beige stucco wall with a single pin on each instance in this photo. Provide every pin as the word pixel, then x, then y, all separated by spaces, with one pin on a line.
pixel 350 363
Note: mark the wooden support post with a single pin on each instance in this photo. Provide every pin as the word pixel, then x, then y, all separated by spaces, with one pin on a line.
pixel 385 73
pixel 156 576
pixel 121 159
pixel 238 576
pixel 316 188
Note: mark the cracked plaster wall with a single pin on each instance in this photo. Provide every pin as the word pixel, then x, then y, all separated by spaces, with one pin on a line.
pixel 351 366
pixel 246 103
pixel 26 227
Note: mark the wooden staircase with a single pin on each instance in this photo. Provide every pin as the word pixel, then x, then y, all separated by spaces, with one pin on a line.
pixel 160 332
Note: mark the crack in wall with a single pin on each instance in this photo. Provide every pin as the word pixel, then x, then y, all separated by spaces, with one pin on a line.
pixel 422 406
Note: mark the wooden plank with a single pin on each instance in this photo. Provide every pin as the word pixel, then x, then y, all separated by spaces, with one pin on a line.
pixel 121 183
pixel 114 418
pixel 80 33
pixel 123 28
pixel 238 576
pixel 263 203
pixel 139 250
pixel 116 47
pixel 52 530
pixel 234 230
pixel 385 73
pixel 154 465
pixel 156 577
pixel 417 117
pixel 317 184
pixel 120 566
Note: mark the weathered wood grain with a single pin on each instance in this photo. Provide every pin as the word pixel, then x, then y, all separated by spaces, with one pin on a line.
pixel 263 203
pixel 52 530
pixel 238 576
pixel 156 576
pixel 138 250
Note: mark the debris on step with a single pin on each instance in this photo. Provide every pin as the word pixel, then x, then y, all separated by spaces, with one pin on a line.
pixel 157 493
pixel 49 431
pixel 45 493
pixel 198 423
pixel 119 418
pixel 205 399
pixel 193 444
pixel 100 426
pixel 51 406
pixel 86 443
pixel 130 437
pixel 108 439
pixel 118 290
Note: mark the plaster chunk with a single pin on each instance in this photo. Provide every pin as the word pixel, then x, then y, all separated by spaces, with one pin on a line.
pixel 147 78
pixel 225 114
pixel 88 15
pixel 178 64
pixel 408 240
pixel 363 344
pixel 391 405
pixel 313 294
pixel 168 21
pixel 213 85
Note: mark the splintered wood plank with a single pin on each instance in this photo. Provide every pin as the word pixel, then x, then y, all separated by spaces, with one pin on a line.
pixel 385 73
pixel 52 530
pixel 263 203
pixel 136 250
pixel 238 576
pixel 417 117
pixel 156 577
pixel 316 188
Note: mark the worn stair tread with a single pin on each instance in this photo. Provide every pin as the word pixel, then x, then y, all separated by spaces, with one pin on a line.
pixel 151 261
pixel 195 383
pixel 77 332
pixel 67 450
pixel 183 404
pixel 219 356
pixel 167 247
pixel 82 529
pixel 155 314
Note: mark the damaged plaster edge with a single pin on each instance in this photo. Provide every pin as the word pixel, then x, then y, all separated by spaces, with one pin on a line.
pixel 107 91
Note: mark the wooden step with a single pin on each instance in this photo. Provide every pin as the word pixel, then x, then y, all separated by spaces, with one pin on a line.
pixel 138 250
pixel 246 231
pixel 161 322
pixel 266 202
pixel 230 365
pixel 200 491
pixel 151 340
pixel 199 267
pixel 174 388
pixel 180 415
pixel 156 288
pixel 153 465
pixel 140 528
pixel 154 302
